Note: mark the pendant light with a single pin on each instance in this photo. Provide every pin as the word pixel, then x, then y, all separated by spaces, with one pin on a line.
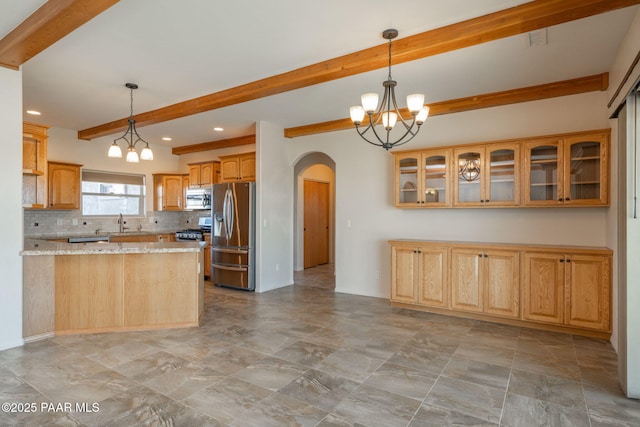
pixel 387 113
pixel 131 137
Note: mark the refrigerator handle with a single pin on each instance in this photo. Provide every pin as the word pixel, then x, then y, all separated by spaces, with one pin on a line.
pixel 229 213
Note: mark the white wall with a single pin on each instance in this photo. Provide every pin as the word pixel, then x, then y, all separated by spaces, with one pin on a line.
pixel 11 208
pixel 274 215
pixel 366 218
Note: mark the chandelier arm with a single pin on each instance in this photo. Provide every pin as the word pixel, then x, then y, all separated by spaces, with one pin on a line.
pixel 362 135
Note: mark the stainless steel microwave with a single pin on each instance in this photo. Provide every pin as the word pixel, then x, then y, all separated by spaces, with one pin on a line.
pixel 198 198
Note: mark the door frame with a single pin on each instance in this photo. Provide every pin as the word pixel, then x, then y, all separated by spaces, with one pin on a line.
pixel 301 166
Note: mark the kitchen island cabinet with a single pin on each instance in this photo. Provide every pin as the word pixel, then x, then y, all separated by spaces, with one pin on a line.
pixel 109 287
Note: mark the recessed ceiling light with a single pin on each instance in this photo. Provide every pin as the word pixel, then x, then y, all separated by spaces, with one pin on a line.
pixel 166 138
pixel 218 129
pixel 34 112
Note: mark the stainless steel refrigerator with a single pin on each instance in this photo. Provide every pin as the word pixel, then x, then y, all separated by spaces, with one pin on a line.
pixel 233 235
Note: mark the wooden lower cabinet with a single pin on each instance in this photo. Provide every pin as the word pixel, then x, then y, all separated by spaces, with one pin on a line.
pixel 485 281
pixel 565 289
pixel 419 275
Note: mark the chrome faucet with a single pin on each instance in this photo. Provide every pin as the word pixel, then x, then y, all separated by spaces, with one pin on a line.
pixel 121 222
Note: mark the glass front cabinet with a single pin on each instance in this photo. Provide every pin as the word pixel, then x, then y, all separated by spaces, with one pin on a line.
pixel 549 171
pixel 570 171
pixel 487 175
pixel 421 179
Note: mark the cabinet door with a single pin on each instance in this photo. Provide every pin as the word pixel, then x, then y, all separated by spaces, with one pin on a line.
pixel 247 165
pixel 586 169
pixel 229 170
pixel 404 269
pixel 433 287
pixel 502 177
pixel 172 192
pixel 542 287
pixel 543 173
pixel 501 271
pixel 588 294
pixel 64 186
pixel 408 179
pixel 466 280
pixel 435 172
pixel 206 174
pixel 468 189
pixel 194 175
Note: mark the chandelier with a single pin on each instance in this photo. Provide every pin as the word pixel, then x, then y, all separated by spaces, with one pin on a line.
pixel 469 169
pixel 388 113
pixel 131 137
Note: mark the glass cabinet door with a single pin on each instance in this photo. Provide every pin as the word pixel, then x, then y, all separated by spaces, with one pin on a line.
pixel 502 183
pixel 435 178
pixel 468 188
pixel 544 174
pixel 585 180
pixel 407 180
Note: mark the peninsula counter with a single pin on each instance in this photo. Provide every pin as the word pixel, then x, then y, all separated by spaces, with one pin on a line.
pixel 71 288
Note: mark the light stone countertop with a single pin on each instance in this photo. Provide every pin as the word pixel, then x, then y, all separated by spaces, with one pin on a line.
pixel 46 247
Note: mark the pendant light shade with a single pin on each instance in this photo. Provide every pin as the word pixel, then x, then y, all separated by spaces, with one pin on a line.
pixel 131 138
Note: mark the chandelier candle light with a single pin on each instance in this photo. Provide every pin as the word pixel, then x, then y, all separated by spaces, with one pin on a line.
pixel 131 137
pixel 388 113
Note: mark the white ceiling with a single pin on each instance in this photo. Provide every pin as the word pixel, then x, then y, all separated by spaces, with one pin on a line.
pixel 178 50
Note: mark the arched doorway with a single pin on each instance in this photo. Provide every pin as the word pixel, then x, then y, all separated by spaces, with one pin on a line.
pixel 314 218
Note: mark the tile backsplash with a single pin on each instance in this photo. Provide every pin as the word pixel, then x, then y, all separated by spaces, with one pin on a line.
pixel 71 223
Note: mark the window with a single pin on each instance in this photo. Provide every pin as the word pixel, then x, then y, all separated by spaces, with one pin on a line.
pixel 110 193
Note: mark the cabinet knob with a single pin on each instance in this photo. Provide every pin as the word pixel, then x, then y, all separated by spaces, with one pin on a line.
pixel 560 199
pixel 568 260
pixel 567 199
pixel 561 260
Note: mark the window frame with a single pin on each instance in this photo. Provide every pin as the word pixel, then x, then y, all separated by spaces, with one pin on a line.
pixel 116 178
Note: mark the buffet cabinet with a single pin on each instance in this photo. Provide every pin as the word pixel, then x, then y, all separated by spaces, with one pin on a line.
pixel 564 289
pixel 550 171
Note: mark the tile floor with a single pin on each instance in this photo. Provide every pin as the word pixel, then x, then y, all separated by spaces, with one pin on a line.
pixel 304 355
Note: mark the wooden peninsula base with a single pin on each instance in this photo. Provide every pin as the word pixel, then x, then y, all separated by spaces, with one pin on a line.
pixel 112 287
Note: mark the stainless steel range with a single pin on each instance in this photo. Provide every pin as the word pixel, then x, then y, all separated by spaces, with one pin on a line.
pixel 195 234
pixel 189 235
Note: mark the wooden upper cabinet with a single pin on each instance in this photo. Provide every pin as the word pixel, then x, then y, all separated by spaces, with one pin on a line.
pixel 487 175
pixel 34 165
pixel 586 169
pixel 64 185
pixel 554 171
pixel 168 192
pixel 568 171
pixel 203 174
pixel 239 167
pixel 421 179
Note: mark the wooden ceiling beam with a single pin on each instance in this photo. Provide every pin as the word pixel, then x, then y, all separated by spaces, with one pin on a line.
pixel 214 145
pixel 520 19
pixel 599 82
pixel 51 22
